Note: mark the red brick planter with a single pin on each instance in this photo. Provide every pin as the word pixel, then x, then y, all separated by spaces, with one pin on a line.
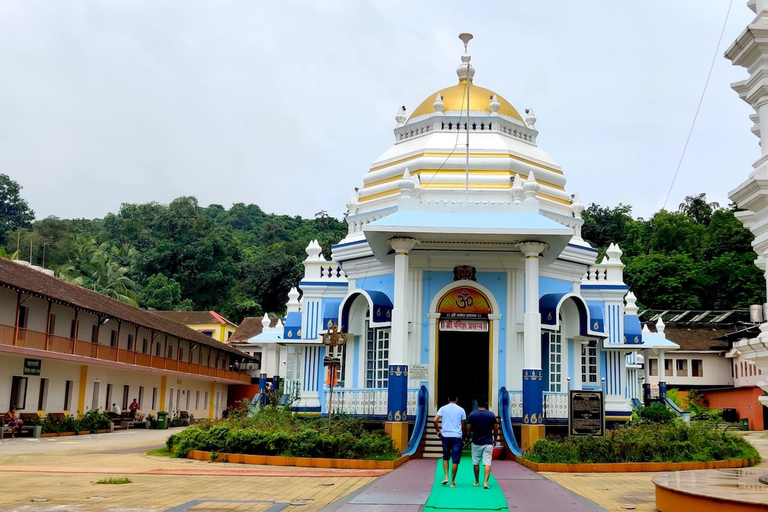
pixel 274 460
pixel 631 467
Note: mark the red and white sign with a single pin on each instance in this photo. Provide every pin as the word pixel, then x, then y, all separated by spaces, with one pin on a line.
pixel 465 325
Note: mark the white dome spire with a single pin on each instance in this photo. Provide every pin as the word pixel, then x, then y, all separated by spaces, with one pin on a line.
pixel 465 70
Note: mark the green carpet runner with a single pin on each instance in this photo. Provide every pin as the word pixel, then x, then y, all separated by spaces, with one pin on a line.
pixel 444 498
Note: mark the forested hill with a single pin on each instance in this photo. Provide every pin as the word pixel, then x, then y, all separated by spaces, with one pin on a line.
pixel 242 262
pixel 239 262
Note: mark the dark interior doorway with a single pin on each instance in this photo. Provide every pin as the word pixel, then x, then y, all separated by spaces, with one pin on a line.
pixel 462 367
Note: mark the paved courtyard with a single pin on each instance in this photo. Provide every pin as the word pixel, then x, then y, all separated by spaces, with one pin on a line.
pixel 61 473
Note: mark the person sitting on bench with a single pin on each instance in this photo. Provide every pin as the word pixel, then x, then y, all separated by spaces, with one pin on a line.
pixel 11 419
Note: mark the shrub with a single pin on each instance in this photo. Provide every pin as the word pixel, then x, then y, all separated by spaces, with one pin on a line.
pixel 94 421
pixel 273 432
pixel 649 442
pixel 657 413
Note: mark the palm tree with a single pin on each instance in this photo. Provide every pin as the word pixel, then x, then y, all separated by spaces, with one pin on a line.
pixel 100 268
pixel 697 208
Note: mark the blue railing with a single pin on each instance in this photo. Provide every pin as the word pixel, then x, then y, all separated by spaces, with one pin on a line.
pixel 506 423
pixel 420 423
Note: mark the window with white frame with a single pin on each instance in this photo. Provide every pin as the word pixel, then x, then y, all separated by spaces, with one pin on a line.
pixel 653 367
pixel 589 363
pixel 377 357
pixel 697 368
pixel 292 363
pixel 555 362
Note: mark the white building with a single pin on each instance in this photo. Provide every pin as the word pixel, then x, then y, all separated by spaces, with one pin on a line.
pixel 464 270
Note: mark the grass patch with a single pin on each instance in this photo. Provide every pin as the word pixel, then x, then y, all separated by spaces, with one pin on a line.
pixel 115 480
pixel 160 452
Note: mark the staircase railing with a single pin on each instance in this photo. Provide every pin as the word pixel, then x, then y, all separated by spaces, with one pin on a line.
pixel 420 423
pixel 506 423
pixel 685 415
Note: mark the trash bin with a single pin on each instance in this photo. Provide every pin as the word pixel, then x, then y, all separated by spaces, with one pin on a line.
pixel 162 420
pixel 744 423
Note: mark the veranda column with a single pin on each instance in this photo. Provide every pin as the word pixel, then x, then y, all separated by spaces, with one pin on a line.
pixel 397 387
pixel 532 428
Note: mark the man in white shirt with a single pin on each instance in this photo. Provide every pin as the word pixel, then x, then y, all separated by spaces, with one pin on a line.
pixel 451 434
pixel 116 409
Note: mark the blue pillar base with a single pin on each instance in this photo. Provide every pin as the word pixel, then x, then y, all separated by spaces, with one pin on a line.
pixel 397 393
pixel 533 396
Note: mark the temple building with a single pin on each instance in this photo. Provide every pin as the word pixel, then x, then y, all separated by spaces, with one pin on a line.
pixel 464 271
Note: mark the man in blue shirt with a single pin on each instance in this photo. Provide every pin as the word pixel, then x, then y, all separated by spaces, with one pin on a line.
pixel 483 426
pixel 451 435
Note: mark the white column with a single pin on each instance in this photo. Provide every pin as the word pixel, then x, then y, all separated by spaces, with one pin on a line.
pixel 399 337
pixel 532 316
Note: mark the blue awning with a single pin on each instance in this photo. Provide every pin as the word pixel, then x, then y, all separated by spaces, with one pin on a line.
pixel 331 313
pixel 378 302
pixel 292 330
pixel 590 315
pixel 596 316
pixel 633 331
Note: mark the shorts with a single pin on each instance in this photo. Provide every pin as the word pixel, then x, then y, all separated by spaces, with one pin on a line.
pixel 452 447
pixel 482 451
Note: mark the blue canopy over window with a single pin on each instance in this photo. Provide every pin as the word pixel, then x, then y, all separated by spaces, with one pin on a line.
pixel 590 315
pixel 330 313
pixel 378 302
pixel 292 329
pixel 633 331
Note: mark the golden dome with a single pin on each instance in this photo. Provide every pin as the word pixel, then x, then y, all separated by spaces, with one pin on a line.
pixel 454 100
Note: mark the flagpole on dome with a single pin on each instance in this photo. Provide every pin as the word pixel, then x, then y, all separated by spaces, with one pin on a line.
pixel 466 38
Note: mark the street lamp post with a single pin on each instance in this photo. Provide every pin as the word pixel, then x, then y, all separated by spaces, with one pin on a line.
pixel 332 338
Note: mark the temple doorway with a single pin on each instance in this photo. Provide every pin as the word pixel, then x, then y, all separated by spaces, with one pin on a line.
pixel 463 367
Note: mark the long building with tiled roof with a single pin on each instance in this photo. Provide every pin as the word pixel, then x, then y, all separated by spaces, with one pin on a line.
pixel 69 349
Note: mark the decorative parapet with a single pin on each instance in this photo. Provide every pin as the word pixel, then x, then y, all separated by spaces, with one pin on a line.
pixel 455 123
pixel 610 271
pixel 318 269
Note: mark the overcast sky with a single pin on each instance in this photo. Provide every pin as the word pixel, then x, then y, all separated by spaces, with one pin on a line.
pixel 285 104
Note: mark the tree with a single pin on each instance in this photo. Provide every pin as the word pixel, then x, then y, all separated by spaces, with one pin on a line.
pixel 697 208
pixel 663 281
pixel 163 294
pixel 97 267
pixel 14 211
pixel 604 226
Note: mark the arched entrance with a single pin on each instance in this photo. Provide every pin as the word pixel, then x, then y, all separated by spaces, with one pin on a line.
pixel 463 352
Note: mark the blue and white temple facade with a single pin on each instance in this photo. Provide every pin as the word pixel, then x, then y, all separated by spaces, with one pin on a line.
pixel 464 270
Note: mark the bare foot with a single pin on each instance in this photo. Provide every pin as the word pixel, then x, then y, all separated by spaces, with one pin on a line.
pixel 476 484
pixel 444 482
pixel 454 485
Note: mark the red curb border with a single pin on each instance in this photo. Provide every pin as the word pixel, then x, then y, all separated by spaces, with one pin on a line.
pixel 631 467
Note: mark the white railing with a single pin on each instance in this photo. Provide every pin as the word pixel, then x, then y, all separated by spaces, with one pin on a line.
pixel 555 404
pixel 367 401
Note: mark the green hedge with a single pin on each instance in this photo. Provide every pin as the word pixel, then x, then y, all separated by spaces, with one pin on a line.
pixel 274 433
pixel 91 421
pixel 649 442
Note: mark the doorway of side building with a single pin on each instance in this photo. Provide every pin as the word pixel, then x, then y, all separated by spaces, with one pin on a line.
pixel 463 367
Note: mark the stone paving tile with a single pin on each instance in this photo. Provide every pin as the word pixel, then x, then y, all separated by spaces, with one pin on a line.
pixel 61 473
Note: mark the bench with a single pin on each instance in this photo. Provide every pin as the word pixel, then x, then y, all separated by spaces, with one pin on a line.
pixel 29 429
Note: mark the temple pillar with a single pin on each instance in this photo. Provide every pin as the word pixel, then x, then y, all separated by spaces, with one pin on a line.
pixel 532 428
pixel 397 387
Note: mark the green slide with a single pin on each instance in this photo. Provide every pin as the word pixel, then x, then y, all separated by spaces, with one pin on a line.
pixel 466 496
